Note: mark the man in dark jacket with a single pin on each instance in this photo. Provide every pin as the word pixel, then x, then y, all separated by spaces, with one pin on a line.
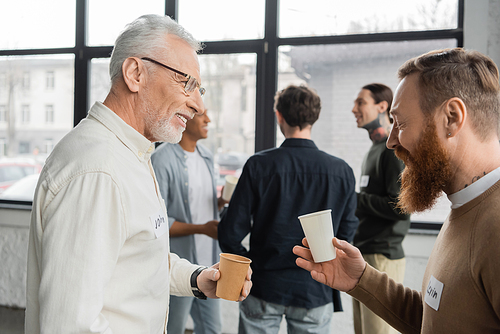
pixel 276 186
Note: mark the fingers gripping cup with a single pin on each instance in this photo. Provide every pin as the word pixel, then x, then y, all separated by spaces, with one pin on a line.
pixel 229 187
pixel 318 229
pixel 233 271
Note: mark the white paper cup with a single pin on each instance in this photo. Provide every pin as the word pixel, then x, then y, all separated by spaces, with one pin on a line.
pixel 318 229
pixel 229 187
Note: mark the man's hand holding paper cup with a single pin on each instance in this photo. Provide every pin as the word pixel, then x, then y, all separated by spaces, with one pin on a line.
pixel 210 278
pixel 331 261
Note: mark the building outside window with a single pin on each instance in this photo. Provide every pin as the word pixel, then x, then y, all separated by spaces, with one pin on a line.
pixel 49 145
pixel 26 81
pixel 50 78
pixel 3 80
pixel 24 147
pixel 38 107
pixel 49 113
pixel 3 110
pixel 3 147
pixel 25 114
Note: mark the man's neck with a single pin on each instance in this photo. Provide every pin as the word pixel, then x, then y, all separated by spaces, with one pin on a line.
pixel 298 136
pixel 125 105
pixel 480 161
pixel 376 131
pixel 188 144
pixel 295 132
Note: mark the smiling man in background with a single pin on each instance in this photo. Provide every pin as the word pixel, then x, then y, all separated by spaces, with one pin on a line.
pixel 185 173
pixel 382 225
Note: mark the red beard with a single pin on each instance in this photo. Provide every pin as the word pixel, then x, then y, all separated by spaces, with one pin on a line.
pixel 426 173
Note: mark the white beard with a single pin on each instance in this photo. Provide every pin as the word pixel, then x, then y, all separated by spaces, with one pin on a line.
pixel 161 129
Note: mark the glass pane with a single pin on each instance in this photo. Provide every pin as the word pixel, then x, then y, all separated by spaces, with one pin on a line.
pixel 336 17
pixel 34 24
pixel 337 73
pixel 100 83
pixel 220 20
pixel 230 100
pixel 36 111
pixel 107 18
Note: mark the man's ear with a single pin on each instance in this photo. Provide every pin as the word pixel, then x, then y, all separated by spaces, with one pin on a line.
pixel 455 113
pixel 279 117
pixel 382 106
pixel 133 72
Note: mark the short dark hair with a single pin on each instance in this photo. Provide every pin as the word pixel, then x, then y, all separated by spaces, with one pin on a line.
pixel 379 93
pixel 466 74
pixel 299 105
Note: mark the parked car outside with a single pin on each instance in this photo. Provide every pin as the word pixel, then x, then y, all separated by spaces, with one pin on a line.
pixel 22 190
pixel 14 169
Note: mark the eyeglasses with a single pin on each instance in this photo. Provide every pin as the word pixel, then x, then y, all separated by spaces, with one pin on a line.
pixel 191 83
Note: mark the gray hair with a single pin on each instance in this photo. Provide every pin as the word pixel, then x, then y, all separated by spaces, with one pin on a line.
pixel 144 37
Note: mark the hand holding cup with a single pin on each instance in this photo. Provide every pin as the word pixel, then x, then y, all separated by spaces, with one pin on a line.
pixel 233 271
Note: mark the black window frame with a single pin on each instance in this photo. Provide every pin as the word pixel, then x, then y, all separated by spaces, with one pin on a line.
pixel 266 50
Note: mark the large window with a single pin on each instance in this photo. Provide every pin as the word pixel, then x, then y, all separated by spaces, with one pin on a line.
pixel 35 24
pixel 337 72
pixel 25 114
pixel 252 48
pixel 28 103
pixel 338 17
pixel 106 18
pixel 222 20
pixel 230 101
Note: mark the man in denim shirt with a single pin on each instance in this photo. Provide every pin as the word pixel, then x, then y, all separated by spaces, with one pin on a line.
pixel 276 186
pixel 185 174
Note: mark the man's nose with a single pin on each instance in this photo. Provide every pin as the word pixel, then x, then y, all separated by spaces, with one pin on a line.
pixel 393 140
pixel 199 106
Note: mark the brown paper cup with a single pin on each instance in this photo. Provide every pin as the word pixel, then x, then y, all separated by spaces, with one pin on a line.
pixel 233 270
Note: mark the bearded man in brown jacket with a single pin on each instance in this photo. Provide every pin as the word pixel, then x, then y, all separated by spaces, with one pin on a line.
pixel 446 116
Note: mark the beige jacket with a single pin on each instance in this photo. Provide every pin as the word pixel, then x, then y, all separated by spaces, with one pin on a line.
pixel 98 258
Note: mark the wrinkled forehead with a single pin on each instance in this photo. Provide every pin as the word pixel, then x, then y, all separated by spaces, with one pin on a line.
pixel 407 91
pixel 182 56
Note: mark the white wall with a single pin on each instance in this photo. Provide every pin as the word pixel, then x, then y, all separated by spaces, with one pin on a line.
pixel 14 231
pixel 482 27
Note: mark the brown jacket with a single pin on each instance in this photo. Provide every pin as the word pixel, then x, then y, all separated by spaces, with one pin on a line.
pixel 466 260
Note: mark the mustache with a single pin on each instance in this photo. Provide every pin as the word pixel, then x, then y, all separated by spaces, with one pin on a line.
pixel 402 154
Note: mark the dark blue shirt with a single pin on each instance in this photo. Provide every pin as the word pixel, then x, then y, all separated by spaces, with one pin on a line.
pixel 275 187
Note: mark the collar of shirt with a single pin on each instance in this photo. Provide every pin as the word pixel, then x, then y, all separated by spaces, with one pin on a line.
pixel 474 190
pixel 135 141
pixel 298 142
